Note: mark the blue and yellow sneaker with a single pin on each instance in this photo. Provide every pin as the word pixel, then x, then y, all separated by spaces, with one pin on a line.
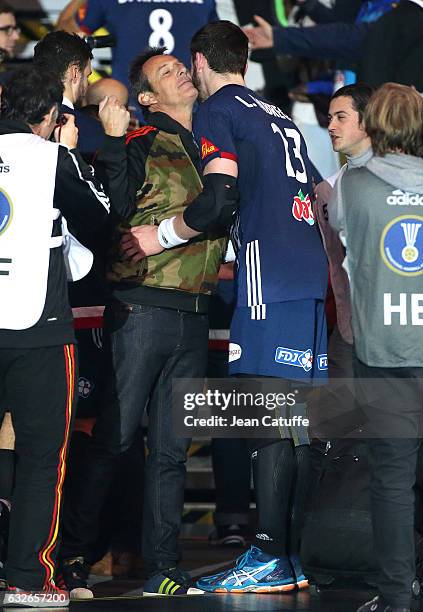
pixel 254 572
pixel 170 582
pixel 301 580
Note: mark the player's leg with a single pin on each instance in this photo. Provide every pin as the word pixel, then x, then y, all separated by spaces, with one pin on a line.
pixel 265 567
pixel 282 343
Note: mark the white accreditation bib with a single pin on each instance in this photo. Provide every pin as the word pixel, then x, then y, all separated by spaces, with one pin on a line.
pixel 27 181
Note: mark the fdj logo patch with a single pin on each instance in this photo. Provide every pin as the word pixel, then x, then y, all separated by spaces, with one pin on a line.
pixel 322 362
pixel 401 245
pixel 6 211
pixel 292 357
pixel 301 208
pixel 85 387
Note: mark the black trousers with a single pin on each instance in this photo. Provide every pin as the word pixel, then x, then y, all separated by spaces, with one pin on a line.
pixel 38 387
pixel 392 399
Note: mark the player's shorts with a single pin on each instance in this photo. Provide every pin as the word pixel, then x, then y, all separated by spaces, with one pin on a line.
pixel 289 342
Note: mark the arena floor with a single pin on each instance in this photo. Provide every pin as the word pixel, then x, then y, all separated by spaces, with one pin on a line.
pixel 199 559
pixel 342 602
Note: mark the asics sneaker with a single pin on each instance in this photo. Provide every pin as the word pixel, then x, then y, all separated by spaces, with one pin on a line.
pixel 256 572
pixel 170 582
pixel 302 582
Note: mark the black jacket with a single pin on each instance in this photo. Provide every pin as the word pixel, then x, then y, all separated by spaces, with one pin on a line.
pixel 80 198
pixel 393 49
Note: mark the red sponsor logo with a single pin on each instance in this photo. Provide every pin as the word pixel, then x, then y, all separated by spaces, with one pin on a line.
pixel 301 208
pixel 207 148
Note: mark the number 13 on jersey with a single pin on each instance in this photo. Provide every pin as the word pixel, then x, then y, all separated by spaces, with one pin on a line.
pixel 293 135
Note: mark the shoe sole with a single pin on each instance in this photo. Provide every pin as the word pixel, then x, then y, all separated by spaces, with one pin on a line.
pixel 282 588
pixel 191 591
pixel 302 584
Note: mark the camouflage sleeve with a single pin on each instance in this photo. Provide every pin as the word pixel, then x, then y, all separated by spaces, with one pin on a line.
pixel 125 169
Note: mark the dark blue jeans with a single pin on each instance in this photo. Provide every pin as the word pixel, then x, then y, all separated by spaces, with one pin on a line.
pixel 149 346
pixel 394 428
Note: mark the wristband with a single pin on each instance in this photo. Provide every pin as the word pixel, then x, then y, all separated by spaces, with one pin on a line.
pixel 167 236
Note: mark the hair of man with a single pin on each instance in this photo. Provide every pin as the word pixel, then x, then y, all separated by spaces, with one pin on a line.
pixel 59 50
pixel 137 78
pixel 224 45
pixel 394 120
pixel 6 8
pixel 29 95
pixel 360 94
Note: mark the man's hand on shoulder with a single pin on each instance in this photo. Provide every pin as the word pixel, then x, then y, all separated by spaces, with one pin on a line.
pixel 113 116
pixel 140 242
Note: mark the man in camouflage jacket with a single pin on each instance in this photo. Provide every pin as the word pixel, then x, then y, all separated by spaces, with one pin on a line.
pixel 156 325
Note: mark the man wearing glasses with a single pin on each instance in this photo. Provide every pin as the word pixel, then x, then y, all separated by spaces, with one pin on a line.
pixel 9 31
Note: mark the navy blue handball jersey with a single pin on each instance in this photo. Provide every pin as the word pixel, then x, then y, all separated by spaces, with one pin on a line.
pixel 280 252
pixel 138 24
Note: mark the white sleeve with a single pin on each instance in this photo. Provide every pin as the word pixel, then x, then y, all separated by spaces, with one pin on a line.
pixel 334 177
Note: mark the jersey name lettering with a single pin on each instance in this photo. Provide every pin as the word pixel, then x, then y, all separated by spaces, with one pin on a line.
pixel 270 109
